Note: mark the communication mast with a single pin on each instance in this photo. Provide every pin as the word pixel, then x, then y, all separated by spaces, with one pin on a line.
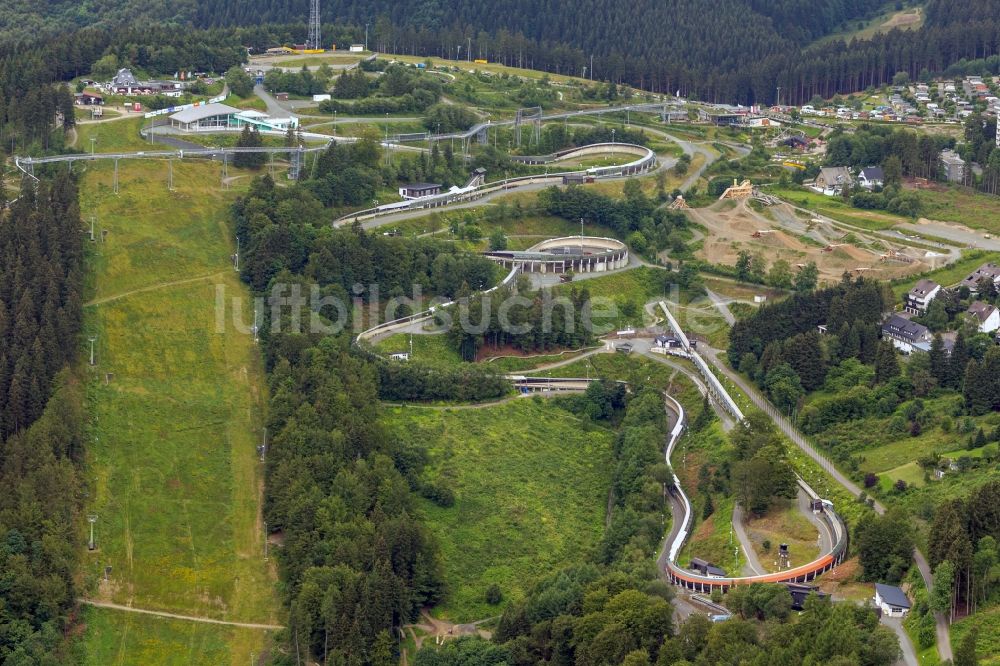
pixel 314 41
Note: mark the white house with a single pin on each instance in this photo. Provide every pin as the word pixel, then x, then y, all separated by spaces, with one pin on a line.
pixel 920 297
pixel 986 316
pixel 892 600
pixel 871 177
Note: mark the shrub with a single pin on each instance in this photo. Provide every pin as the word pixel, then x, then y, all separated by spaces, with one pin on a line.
pixel 871 479
pixel 493 595
pixel 441 495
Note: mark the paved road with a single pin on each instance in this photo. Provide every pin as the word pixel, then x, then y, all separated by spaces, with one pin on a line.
pixel 952 232
pixel 909 655
pixel 175 616
pixel 753 566
pixel 712 355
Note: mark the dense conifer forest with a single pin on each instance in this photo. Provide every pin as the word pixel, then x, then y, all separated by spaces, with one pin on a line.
pixel 41 420
pixel 730 51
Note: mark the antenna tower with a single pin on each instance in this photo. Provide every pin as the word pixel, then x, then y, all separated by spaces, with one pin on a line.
pixel 314 41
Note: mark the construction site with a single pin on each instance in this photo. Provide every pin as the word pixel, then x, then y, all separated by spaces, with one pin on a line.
pixel 779 231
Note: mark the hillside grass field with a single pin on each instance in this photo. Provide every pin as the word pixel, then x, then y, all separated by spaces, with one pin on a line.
pixel 176 480
pixel 132 638
pixel 531 483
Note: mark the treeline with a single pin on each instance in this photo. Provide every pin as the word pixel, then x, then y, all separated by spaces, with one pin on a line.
pixel 302 82
pixel 743 53
pixel 962 548
pixel 634 217
pixel 528 320
pixel 32 68
pixel 557 137
pixel 41 279
pixel 399 89
pixel 283 229
pixel 584 615
pixel 870 145
pixel 415 381
pixel 640 478
pixel 355 562
pixel 41 418
pixel 780 345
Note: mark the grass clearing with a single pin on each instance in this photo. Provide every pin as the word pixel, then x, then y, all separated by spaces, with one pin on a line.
pixel 783 523
pixel 962 205
pixel 112 136
pixel 116 637
pixel 176 479
pixel 320 59
pixel 835 208
pixel 531 483
pixel 430 349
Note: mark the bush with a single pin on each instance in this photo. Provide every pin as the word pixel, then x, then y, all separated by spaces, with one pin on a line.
pixel 871 480
pixel 493 595
pixel 440 494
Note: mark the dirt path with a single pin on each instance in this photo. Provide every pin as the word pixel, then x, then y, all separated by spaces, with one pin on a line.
pixel 175 616
pixel 152 287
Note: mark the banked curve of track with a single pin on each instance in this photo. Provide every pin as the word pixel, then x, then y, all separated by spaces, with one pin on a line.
pixel 680 504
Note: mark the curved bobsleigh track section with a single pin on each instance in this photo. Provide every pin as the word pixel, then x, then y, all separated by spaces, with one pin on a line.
pixel 681 510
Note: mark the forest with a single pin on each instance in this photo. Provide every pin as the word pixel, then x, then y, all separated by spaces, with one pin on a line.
pixel 742 53
pixel 41 418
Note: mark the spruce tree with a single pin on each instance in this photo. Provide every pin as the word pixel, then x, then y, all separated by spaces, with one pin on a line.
pixel 886 363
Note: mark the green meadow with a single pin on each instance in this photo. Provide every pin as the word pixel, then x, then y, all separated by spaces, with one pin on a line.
pixel 176 417
pixel 531 483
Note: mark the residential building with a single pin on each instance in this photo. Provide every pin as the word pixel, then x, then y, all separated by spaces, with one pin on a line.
pixel 125 83
pixel 988 271
pixel 417 190
pixel 904 334
pixel 892 600
pixel 666 342
pixel 871 177
pixel 919 298
pixel 831 180
pixel 986 317
pixel 954 166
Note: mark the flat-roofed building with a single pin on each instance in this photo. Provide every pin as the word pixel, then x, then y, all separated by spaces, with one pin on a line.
pixel 204 117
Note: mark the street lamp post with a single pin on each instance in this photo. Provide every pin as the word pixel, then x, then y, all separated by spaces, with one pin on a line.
pixel 92 339
pixel 91 519
pixel 93 142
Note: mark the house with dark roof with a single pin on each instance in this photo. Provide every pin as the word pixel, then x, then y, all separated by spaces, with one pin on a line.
pixel 666 342
pixel 904 334
pixel 988 271
pixel 985 316
pixel 871 177
pixel 919 298
pixel 417 190
pixel 891 600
